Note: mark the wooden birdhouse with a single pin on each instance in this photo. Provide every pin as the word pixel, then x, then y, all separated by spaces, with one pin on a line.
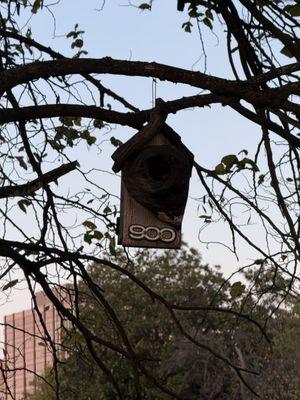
pixel 156 169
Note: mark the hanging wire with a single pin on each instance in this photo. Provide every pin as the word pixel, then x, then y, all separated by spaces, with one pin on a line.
pixel 154 88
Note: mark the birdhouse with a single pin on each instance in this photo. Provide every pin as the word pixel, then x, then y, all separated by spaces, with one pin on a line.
pixel 155 172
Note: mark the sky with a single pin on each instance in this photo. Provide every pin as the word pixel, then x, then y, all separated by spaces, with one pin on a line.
pixel 125 32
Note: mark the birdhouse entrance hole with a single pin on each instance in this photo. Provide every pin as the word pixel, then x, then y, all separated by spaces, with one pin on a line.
pixel 156 168
pixel 159 168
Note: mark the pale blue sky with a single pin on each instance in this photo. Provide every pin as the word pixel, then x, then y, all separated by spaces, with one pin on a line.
pixel 125 32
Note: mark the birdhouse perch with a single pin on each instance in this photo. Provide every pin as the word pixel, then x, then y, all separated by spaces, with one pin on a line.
pixel 156 169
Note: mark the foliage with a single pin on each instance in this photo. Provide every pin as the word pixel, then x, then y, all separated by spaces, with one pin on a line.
pixel 179 277
pixel 58 216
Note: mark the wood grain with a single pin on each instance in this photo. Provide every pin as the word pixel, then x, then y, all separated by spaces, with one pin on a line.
pixel 133 213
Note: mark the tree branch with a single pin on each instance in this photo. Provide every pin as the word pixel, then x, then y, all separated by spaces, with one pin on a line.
pixel 246 90
pixel 136 119
pixel 56 55
pixel 31 187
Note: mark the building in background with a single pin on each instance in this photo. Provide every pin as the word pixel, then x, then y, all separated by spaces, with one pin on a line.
pixel 2 387
pixel 28 347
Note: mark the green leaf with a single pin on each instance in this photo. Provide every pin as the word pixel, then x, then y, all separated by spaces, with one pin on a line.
pixel 286 52
pixel 91 140
pixel 77 43
pixel 145 6
pixel 207 22
pixel 209 14
pixel 87 238
pixel 259 261
pixel 36 5
pixel 237 289
pixel 70 133
pixel 193 13
pixel 67 121
pixel 187 26
pixel 261 179
pixel 98 235
pixel 10 284
pixel 86 135
pixel 112 245
pixel 230 160
pixel 89 225
pixel 22 162
pixel 98 123
pixel 115 142
pixel 23 204
pixel 242 164
pixel 71 34
pixel 80 52
pixel 220 169
pixel 77 121
pixel 56 145
pixel 253 165
pixel 106 210
pixel 293 10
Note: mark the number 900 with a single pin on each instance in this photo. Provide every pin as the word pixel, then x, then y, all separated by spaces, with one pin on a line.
pixel 152 233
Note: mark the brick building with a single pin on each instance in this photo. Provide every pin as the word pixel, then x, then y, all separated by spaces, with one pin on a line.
pixel 27 351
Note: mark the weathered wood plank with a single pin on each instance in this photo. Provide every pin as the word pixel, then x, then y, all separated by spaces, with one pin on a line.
pixel 138 225
pixel 134 214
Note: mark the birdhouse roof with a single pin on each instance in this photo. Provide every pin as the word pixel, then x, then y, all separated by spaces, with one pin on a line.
pixel 156 126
